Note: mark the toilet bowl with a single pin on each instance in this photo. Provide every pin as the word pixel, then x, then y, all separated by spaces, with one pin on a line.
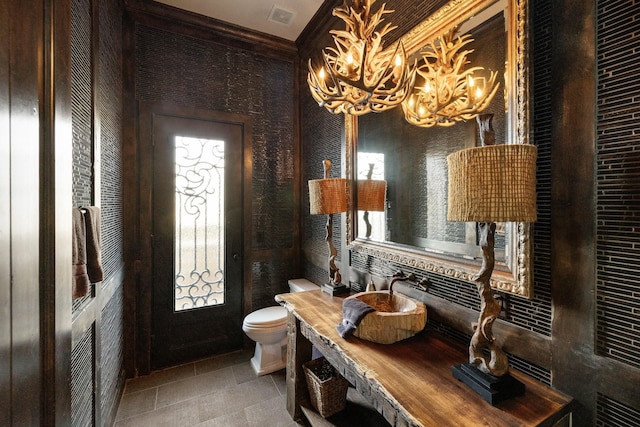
pixel 268 328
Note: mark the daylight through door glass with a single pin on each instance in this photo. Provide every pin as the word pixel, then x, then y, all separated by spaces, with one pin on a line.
pixel 199 223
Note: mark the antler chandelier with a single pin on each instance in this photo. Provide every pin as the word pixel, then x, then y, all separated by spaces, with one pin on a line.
pixel 450 92
pixel 358 76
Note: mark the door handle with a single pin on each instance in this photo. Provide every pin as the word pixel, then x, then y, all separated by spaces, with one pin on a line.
pixel 236 256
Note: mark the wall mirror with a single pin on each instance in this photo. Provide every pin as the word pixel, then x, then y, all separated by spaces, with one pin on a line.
pixel 413 229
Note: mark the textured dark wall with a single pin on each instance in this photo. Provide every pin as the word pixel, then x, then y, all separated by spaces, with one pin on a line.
pixel 617 310
pixel 187 71
pixel 109 109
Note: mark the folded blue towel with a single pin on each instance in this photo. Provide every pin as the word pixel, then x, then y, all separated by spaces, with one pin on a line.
pixel 353 311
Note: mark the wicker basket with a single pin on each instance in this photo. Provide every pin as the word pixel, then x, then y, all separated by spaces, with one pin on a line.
pixel 328 396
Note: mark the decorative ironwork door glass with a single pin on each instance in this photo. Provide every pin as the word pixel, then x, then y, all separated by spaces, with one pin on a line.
pixel 199 225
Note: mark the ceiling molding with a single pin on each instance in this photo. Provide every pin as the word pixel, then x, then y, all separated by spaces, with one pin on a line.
pixel 188 23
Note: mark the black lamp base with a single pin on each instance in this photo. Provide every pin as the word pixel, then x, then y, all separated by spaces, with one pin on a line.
pixel 334 290
pixel 492 389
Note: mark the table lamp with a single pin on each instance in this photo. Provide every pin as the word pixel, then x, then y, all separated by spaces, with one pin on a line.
pixel 328 196
pixel 488 184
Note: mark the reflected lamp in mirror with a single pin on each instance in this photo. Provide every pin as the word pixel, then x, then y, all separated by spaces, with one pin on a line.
pixel 371 195
pixel 358 75
pixel 446 90
pixel 489 184
pixel 328 196
pixel 371 198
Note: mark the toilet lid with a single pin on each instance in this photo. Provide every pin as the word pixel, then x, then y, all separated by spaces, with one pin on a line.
pixel 267 317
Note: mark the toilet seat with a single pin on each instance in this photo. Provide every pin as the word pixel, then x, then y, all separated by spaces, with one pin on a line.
pixel 268 317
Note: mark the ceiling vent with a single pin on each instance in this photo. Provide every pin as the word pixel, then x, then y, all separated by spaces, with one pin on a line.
pixel 281 16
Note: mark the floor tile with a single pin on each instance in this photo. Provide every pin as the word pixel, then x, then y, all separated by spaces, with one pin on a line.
pixel 223 361
pixel 137 403
pixel 235 419
pixel 195 386
pixel 244 372
pixel 157 378
pixel 183 414
pixel 236 398
pixel 280 379
pixel 272 413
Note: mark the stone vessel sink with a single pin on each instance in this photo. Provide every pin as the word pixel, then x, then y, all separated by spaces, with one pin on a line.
pixel 396 317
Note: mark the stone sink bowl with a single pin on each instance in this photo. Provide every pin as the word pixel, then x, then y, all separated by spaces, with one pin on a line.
pixel 396 317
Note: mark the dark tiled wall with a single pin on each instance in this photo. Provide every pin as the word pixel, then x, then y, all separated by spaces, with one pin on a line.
pixel 618 183
pixel 82 109
pixel 110 333
pixel 187 71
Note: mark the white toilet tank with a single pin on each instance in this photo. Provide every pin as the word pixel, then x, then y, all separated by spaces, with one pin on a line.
pixel 301 285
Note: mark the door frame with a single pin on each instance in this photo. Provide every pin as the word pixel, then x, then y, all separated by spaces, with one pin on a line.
pixel 143 221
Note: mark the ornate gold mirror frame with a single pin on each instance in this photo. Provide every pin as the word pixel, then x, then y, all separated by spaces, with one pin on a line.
pixel 515 276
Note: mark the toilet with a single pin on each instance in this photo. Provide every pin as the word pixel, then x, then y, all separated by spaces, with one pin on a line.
pixel 268 328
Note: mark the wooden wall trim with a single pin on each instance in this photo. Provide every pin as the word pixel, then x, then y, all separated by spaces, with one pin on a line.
pixel 5 216
pixel 171 19
pixel 130 202
pixel 573 202
pixel 22 56
pixel 88 313
pixel 56 202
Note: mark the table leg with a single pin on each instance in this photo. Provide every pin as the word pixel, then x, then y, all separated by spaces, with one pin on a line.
pixel 298 352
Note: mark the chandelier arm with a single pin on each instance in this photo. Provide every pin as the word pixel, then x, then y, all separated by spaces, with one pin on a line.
pixel 338 91
pixel 388 67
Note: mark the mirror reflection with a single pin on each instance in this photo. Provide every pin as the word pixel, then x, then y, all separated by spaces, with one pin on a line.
pixel 415 160
pixel 412 159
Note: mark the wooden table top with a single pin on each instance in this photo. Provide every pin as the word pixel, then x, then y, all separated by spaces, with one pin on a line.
pixel 414 375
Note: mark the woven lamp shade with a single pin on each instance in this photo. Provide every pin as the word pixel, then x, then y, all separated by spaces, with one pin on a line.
pixel 493 183
pixel 327 196
pixel 371 195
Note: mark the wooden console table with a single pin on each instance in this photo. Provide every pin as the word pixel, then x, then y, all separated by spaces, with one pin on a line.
pixel 409 382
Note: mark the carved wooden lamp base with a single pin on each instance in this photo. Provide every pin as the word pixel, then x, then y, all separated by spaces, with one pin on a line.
pixel 488 184
pixel 334 290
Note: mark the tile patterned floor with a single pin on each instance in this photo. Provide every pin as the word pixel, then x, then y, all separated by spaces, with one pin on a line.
pixel 224 391
pixel 221 391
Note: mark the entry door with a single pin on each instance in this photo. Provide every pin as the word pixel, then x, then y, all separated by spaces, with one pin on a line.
pixel 197 239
